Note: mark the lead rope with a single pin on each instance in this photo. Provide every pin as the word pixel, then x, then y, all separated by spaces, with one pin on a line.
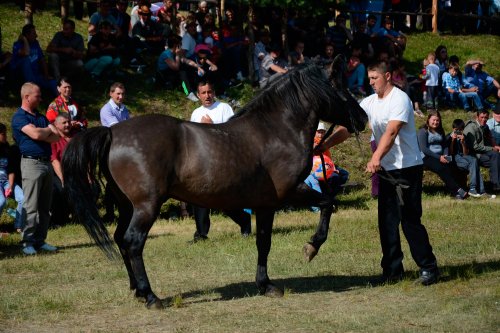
pixel 393 181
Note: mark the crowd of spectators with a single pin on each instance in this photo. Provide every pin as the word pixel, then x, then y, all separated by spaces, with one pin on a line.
pixel 186 50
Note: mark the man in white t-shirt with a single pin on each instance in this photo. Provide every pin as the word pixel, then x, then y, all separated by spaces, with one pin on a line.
pixel 214 112
pixel 398 162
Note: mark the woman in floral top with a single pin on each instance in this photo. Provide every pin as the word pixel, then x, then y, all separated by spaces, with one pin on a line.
pixel 65 103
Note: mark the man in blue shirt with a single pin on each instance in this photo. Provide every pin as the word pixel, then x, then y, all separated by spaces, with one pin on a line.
pixel 114 111
pixel 487 85
pixel 34 134
pixel 28 60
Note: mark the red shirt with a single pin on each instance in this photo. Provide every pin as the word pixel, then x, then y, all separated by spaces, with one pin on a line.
pixel 58 149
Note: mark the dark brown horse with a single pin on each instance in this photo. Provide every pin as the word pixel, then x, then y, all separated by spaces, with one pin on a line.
pixel 258 159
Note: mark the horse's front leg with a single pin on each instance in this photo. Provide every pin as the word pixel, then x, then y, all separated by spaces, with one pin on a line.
pixel 305 196
pixel 311 248
pixel 134 240
pixel 264 221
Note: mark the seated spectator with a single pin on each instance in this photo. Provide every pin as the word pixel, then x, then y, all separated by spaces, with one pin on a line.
pixel 183 21
pixel 207 70
pixel 460 90
pixel 272 66
pixel 480 144
pixel 362 39
pixel 209 20
pixel 102 53
pixel 296 56
pixel 487 85
pixel 169 64
pixel 494 125
pixel 339 35
pixel 60 207
pixel 189 39
pixel 134 12
pixel 148 34
pixel 207 36
pixel 392 40
pixel 260 52
pixel 121 17
pixel 371 25
pixel 457 148
pixel 201 11
pixel 65 51
pixel 442 61
pixel 336 176
pixel 5 58
pixel 432 143
pixel 103 14
pixel 232 54
pixel 125 43
pixel 64 103
pixel 327 57
pixel 356 72
pixel 167 17
pixel 28 60
pixel 8 185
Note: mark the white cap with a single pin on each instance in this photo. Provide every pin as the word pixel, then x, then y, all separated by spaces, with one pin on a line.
pixel 321 126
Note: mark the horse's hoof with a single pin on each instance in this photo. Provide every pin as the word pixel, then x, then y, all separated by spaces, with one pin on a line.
pixel 273 291
pixel 309 252
pixel 154 303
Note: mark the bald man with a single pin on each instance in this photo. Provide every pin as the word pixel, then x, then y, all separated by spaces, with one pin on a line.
pixel 34 134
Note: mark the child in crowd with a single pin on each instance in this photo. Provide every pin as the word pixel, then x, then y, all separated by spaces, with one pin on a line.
pixel 432 81
pixel 7 185
pixel 457 89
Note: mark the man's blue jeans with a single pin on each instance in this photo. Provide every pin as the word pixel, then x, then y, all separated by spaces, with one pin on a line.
pixel 471 164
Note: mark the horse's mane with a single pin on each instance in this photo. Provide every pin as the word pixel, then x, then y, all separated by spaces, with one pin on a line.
pixel 304 85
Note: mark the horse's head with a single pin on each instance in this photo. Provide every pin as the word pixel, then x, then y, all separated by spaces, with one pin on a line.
pixel 345 110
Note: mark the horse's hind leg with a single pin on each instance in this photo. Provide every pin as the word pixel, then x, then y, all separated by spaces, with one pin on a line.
pixel 124 216
pixel 264 221
pixel 133 244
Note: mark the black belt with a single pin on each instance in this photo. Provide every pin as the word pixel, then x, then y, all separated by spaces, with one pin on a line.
pixel 38 158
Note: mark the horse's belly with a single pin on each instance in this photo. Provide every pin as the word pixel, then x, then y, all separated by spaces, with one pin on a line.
pixel 224 192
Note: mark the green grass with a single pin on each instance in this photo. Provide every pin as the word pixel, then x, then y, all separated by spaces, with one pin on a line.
pixel 209 287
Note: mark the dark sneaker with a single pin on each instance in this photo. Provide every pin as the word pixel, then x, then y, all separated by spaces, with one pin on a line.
pixel 428 277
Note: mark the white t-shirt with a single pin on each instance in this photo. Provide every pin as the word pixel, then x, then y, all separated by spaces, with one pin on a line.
pixel 219 112
pixel 405 152
pixel 432 74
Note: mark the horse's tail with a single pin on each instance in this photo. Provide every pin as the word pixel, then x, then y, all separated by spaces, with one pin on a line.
pixel 84 154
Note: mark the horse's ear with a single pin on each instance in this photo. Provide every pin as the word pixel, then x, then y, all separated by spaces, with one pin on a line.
pixel 337 72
